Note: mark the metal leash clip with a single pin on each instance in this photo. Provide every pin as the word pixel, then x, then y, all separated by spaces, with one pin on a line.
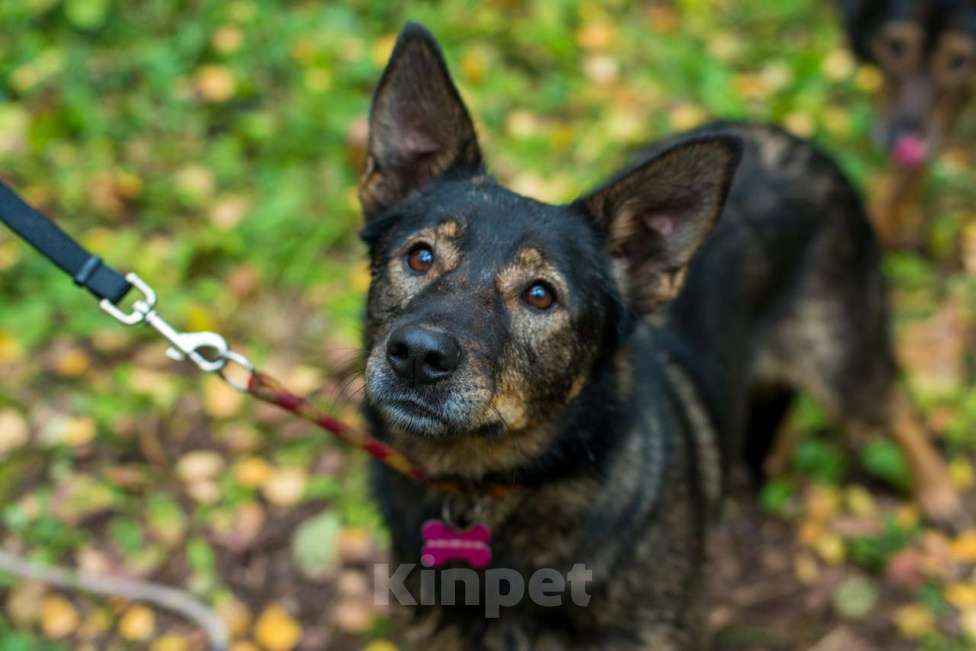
pixel 208 350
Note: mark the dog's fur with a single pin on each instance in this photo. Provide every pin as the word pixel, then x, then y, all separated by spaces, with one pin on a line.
pixel 618 411
pixel 926 50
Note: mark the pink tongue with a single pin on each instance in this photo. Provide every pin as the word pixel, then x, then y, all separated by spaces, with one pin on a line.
pixel 910 151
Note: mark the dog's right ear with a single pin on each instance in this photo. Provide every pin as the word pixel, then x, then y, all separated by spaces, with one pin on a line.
pixel 655 216
pixel 419 127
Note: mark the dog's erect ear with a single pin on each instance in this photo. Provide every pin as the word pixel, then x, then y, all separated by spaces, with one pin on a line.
pixel 656 215
pixel 418 126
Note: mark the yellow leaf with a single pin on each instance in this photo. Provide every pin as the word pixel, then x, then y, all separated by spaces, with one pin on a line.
pixel 199 317
pixel 14 432
pixel 474 64
pixel 800 124
pixel 243 646
pixel 686 116
pixel 137 624
pixel 964 547
pixel 252 472
pixel 869 79
pixel 79 431
pixel 221 400
pixel 199 465
pixel 10 350
pixel 59 618
pixel 859 501
pixel 838 65
pixel 822 503
pixel 961 595
pixel 96 623
pixel 831 548
pixel 170 642
pixel 215 83
pixel 906 516
pixel 227 39
pixel 235 615
pixel 285 486
pixel 353 615
pixel 961 474
pixel 71 363
pixel 23 603
pixel 596 35
pixel 380 645
pixel 276 630
pixel 967 620
pixel 382 48
pixel 806 569
pixel 913 621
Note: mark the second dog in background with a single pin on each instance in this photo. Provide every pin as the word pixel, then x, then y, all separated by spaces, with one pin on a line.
pixel 926 50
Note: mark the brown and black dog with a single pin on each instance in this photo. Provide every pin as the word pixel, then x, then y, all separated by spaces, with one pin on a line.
pixel 608 360
pixel 926 50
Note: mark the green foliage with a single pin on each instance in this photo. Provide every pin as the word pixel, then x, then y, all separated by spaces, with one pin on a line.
pixel 873 552
pixel 883 458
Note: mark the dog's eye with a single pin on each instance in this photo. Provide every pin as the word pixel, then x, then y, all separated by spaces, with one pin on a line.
pixel 539 295
pixel 957 62
pixel 420 258
pixel 897 46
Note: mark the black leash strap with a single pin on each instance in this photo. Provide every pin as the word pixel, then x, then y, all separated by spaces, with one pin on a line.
pixel 85 269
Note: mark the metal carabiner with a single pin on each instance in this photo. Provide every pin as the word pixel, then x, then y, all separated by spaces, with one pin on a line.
pixel 208 350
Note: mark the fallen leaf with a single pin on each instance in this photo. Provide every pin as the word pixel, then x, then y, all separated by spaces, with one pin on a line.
pixel 967 621
pixel 830 547
pixel 961 473
pixel 235 614
pixel 14 432
pixel 380 645
pixel 913 621
pixel 905 569
pixel 285 486
pixel 221 400
pixel 243 646
pixel 24 601
pixel 963 548
pixel 961 595
pixel 199 465
pixel 170 642
pixel 215 83
pixel 276 630
pixel 137 623
pixel 59 619
pixel 353 615
pixel 227 39
pixel 355 545
pixel 96 623
pixel 855 597
pixel 71 362
pixel 253 472
pixel 315 545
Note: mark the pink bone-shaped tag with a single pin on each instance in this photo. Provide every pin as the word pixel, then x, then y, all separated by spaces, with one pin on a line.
pixel 443 543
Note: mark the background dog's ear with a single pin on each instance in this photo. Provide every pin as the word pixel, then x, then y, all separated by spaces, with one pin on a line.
pixel 656 215
pixel 419 127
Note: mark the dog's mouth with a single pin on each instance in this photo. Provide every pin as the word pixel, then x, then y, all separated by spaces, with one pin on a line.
pixel 413 416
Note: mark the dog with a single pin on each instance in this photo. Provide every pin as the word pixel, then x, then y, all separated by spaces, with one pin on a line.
pixel 926 50
pixel 608 360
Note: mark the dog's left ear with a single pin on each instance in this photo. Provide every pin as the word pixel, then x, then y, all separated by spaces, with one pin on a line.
pixel 656 215
pixel 419 127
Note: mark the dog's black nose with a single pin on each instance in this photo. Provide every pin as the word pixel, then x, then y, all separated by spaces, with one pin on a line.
pixel 421 355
